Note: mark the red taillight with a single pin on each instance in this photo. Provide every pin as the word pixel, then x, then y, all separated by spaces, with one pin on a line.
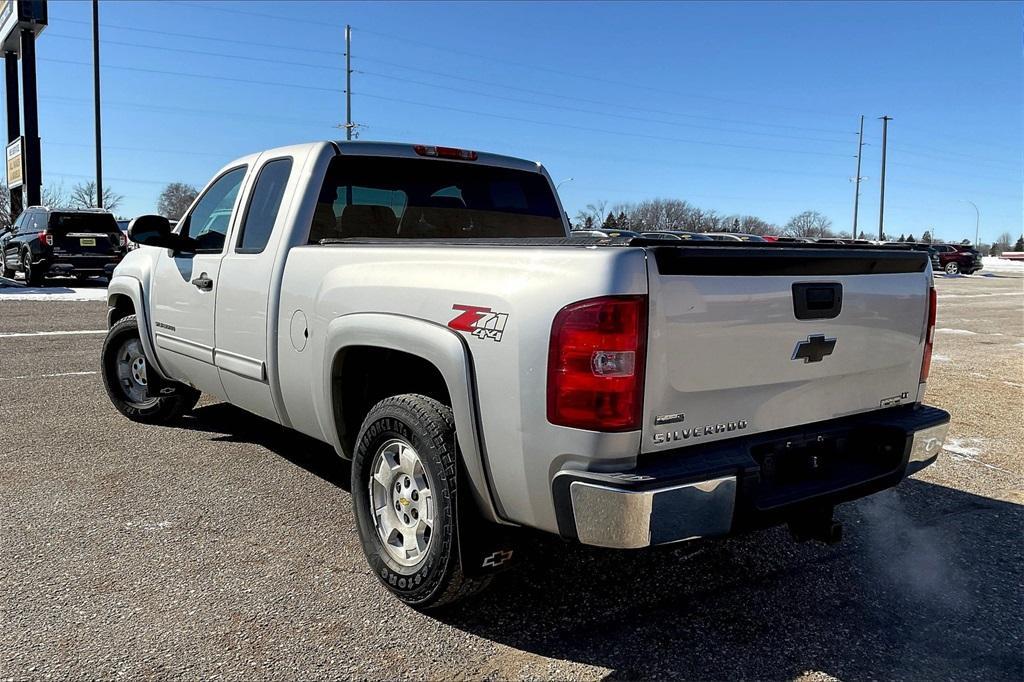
pixel 926 361
pixel 46 238
pixel 596 364
pixel 445 152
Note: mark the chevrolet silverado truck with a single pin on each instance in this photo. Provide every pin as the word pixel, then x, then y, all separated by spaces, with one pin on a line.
pixel 423 310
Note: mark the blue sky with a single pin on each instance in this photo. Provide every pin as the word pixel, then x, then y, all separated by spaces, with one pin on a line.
pixel 744 108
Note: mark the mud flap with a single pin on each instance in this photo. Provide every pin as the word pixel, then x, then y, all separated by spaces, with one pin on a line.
pixel 485 548
pixel 158 387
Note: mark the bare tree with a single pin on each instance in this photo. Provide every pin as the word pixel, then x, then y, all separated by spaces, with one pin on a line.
pixel 177 197
pixel 809 224
pixel 55 196
pixel 83 195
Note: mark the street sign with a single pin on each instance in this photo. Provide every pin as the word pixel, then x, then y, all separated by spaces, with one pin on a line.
pixel 15 163
pixel 20 14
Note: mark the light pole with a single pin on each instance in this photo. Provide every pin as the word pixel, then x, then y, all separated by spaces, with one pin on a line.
pixel 977 219
pixel 563 182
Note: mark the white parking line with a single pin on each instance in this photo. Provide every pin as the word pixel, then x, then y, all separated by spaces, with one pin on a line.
pixel 48 376
pixel 68 333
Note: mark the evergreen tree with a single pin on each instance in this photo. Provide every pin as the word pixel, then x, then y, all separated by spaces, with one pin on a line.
pixel 610 223
pixel 926 237
pixel 623 221
pixel 902 238
pixel 910 238
pixel 1019 246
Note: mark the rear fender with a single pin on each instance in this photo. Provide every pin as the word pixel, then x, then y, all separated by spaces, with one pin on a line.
pixel 442 348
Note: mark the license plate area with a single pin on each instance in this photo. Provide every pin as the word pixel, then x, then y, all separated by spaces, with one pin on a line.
pixel 812 464
pixel 87 241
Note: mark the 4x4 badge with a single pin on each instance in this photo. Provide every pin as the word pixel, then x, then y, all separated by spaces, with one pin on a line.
pixel 814 348
pixel 482 323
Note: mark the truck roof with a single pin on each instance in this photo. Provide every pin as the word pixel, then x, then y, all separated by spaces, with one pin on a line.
pixel 395 149
pixel 407 150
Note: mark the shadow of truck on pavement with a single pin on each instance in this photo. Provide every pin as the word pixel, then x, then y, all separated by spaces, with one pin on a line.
pixel 927 584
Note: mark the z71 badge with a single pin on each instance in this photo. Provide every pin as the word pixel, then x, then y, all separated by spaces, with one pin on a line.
pixel 482 323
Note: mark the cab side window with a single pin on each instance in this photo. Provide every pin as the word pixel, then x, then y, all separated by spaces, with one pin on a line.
pixel 263 206
pixel 210 219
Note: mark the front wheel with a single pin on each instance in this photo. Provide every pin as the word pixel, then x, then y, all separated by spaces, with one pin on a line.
pixel 952 268
pixel 126 377
pixel 404 478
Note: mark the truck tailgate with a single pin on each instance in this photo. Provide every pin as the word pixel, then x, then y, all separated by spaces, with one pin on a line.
pixel 751 339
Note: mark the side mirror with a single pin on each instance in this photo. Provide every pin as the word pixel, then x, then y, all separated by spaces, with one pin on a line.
pixel 155 230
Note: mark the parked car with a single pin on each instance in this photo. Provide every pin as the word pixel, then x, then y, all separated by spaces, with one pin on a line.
pixel 79 242
pixel 723 237
pixel 420 309
pixel 955 259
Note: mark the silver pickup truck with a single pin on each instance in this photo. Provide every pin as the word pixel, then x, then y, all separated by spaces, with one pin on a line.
pixel 423 310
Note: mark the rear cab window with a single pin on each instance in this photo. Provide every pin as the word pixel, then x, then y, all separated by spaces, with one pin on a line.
pixel 373 197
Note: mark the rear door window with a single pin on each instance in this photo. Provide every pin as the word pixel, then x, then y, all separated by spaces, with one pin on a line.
pixel 264 205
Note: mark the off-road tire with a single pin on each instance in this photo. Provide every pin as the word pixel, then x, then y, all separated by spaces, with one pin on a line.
pixel 162 410
pixel 427 425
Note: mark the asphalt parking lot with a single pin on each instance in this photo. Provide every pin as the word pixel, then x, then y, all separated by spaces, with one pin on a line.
pixel 224 547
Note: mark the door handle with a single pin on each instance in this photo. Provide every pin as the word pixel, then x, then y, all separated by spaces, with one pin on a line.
pixel 203 283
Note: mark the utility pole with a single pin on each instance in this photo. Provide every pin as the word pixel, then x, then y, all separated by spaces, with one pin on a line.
pixel 348 82
pixel 977 220
pixel 881 198
pixel 96 99
pixel 856 180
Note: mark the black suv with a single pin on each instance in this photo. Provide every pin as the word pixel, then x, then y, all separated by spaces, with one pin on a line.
pixel 79 242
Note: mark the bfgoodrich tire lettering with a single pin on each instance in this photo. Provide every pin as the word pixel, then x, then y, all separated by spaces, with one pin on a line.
pixel 434 578
pixel 126 392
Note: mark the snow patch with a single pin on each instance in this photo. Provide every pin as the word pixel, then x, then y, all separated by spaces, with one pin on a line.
pixel 941 358
pixel 967 450
pixel 962 332
pixel 995 264
pixel 56 293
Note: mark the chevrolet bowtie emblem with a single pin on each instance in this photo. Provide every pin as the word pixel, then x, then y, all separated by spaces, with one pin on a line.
pixel 814 348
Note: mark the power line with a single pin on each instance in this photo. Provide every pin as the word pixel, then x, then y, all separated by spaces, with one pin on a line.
pixel 598 102
pixel 604 131
pixel 248 81
pixel 216 39
pixel 597 79
pixel 608 113
pixel 423 104
pixel 180 50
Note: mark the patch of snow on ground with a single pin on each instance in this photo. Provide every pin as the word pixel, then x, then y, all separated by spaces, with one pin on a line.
pixel 53 293
pixel 962 332
pixel 968 450
pixel 941 358
pixel 994 264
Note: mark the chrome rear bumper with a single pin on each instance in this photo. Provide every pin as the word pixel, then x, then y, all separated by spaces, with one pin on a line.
pixel 627 519
pixel 734 485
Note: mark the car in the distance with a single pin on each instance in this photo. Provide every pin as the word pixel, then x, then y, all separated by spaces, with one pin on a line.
pixel 956 259
pixel 80 242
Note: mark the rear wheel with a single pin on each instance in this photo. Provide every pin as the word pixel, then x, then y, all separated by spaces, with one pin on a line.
pixel 952 268
pixel 126 378
pixel 404 478
pixel 33 275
